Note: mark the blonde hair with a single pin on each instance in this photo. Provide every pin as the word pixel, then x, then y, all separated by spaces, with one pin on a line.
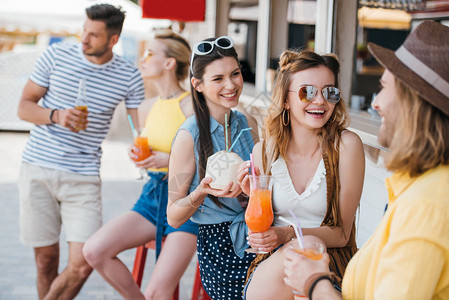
pixel 277 136
pixel 427 132
pixel 177 47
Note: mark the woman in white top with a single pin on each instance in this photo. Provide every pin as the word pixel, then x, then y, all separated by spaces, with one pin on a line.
pixel 318 165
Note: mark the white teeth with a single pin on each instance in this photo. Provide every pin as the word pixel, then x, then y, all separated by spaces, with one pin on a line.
pixel 316 111
pixel 229 95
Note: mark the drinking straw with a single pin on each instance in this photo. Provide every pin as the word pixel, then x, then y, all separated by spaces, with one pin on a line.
pixel 237 138
pixel 298 223
pixel 226 131
pixel 251 159
pixel 132 126
pixel 298 232
pixel 253 171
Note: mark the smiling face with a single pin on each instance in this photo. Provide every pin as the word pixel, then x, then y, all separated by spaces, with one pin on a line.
pixel 314 114
pixel 152 64
pixel 387 106
pixel 222 83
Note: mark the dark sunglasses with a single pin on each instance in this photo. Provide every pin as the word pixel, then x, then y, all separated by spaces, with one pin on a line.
pixel 307 93
pixel 206 47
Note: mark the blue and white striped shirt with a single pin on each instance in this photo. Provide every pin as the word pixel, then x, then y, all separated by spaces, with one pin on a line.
pixel 60 69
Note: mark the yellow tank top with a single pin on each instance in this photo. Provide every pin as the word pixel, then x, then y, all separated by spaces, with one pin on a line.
pixel 162 123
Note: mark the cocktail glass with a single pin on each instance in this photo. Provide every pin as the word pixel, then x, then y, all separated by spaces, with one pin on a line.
pixel 141 143
pixel 312 250
pixel 259 213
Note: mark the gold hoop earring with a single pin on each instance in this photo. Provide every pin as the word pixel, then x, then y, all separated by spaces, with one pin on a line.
pixel 284 122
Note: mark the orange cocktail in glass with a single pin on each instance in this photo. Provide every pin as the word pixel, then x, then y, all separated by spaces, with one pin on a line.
pixel 141 143
pixel 313 251
pixel 259 213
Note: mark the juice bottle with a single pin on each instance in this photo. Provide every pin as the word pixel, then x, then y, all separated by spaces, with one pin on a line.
pixel 259 214
pixel 81 99
pixel 141 142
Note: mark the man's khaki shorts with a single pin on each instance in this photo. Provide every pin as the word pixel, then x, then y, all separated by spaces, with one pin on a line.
pixel 50 198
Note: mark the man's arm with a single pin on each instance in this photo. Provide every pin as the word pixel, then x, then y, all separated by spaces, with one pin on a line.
pixel 28 110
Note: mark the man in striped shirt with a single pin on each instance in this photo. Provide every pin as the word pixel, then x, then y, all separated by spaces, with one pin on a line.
pixel 59 181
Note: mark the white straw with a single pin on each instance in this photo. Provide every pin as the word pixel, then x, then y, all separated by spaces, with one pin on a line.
pixel 295 227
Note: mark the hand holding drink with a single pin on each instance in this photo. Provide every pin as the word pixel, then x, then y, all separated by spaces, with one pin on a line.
pixel 81 105
pixel 259 213
pixel 142 149
pixel 222 168
pixel 299 267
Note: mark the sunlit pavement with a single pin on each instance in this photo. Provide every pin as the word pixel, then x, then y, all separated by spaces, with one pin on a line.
pixel 120 189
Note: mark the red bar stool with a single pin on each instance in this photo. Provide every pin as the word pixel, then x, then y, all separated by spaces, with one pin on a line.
pixel 198 292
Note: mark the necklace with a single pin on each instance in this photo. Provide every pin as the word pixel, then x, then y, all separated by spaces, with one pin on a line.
pixel 172 95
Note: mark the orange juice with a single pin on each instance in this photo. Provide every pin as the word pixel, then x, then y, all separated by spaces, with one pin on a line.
pixel 259 214
pixel 312 254
pixel 81 107
pixel 141 143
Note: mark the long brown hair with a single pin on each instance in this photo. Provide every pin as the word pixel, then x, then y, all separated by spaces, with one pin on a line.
pixel 427 132
pixel 277 136
pixel 205 147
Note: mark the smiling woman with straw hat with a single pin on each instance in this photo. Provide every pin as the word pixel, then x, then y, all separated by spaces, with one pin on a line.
pixel 408 255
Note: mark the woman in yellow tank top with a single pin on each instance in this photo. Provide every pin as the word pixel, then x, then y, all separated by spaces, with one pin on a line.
pixel 166 63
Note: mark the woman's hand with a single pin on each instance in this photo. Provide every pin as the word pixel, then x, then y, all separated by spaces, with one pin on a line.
pixel 268 240
pixel 242 176
pixel 299 268
pixel 204 188
pixel 156 160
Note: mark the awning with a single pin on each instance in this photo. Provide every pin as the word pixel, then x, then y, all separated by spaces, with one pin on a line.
pixel 380 18
pixel 178 10
pixel 68 16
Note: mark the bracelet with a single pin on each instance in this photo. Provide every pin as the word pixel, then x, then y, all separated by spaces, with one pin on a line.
pixel 51 116
pixel 191 201
pixel 294 233
pixel 313 280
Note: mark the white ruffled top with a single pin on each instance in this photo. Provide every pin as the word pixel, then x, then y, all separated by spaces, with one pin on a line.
pixel 310 206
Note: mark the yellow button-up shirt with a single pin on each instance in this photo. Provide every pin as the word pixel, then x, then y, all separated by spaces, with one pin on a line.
pixel 407 257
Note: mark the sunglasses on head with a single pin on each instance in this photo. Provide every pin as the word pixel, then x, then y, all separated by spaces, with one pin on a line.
pixel 206 47
pixel 307 93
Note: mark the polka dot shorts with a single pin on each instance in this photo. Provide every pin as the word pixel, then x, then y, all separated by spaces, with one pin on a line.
pixel 223 273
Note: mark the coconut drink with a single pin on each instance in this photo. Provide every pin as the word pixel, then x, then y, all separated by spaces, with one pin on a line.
pixel 222 168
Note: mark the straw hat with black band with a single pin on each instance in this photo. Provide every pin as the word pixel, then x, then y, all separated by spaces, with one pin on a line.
pixel 421 63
